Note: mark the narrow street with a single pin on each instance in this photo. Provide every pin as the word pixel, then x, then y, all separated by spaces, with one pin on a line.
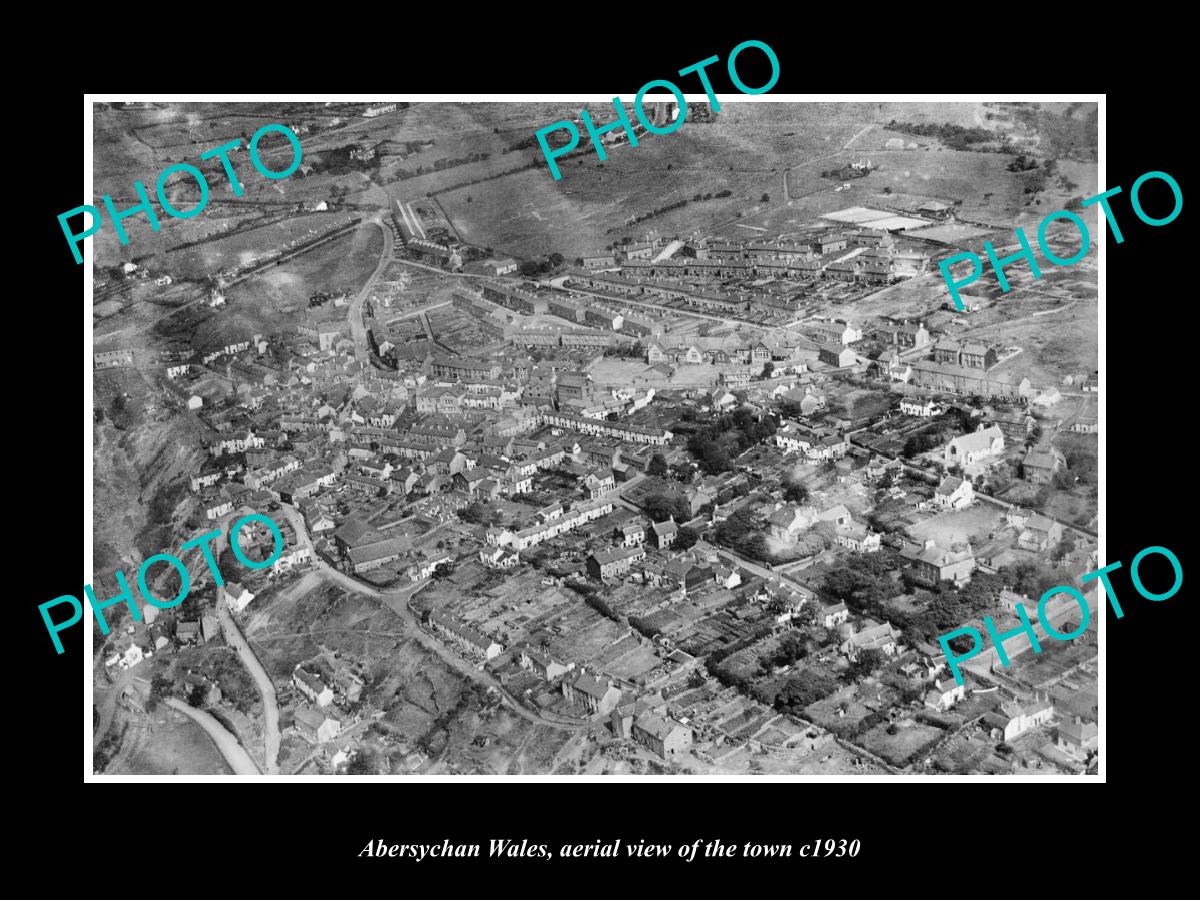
pixel 233 637
pixel 357 329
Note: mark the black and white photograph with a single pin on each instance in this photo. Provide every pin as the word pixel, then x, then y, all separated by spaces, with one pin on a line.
pixel 726 440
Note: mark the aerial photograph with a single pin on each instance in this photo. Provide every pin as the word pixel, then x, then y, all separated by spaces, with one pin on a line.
pixel 678 464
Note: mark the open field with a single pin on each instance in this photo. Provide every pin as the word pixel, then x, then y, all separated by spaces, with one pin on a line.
pixel 178 746
pixel 204 259
pixel 1055 345
pixel 960 525
pixel 900 748
pixel 344 263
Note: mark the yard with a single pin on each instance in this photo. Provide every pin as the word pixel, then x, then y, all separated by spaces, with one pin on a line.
pixel 972 524
pixel 905 746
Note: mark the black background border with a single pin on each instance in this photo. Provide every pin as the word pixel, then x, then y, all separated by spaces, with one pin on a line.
pixel 1147 435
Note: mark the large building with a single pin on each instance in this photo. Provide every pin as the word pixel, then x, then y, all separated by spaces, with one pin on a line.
pixel 980 444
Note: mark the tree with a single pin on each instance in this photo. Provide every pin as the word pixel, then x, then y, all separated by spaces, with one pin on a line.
pixel 795 492
pixel 660 508
pixel 1062 549
pixel 657 466
pixel 868 661
pixel 768 369
pixel 685 539
pixel 766 198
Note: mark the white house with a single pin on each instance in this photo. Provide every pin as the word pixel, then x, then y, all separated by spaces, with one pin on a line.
pixel 954 493
pixel 312 687
pixel 236 596
pixel 1013 719
pixel 944 694
pixel 970 448
pixel 914 406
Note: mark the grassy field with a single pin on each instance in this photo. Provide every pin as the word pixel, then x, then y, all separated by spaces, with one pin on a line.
pixel 247 244
pixel 900 748
pixel 1055 345
pixel 529 212
pixel 962 525
pixel 262 302
pixel 176 747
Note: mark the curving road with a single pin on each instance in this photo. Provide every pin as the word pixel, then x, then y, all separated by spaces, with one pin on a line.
pixel 235 754
pixel 233 637
pixel 357 329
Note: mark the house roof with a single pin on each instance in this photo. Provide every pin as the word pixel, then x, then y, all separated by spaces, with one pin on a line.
pixel 978 440
pixel 949 485
pixel 309 680
pixel 378 550
pixel 310 717
pixel 589 684
pixel 354 531
pixel 1038 522
pixel 1077 730
pixel 665 529
pixel 656 725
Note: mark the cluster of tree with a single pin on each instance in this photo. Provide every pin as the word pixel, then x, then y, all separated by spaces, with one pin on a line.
pixel 740 430
pixel 339 162
pixel 685 539
pixel 660 507
pixel 866 663
pixel 864 580
pixel 1082 464
pixel 367 761
pixel 791 409
pixel 956 137
pixel 801 689
pixel 845 173
pixel 791 648
pixel 1022 163
pixel 480 514
pixel 795 492
pixel 625 351
pixel 531 268
pixel 657 466
pixel 678 204
pixel 1029 578
pixel 742 533
pixel 644 627
pixel 949 607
